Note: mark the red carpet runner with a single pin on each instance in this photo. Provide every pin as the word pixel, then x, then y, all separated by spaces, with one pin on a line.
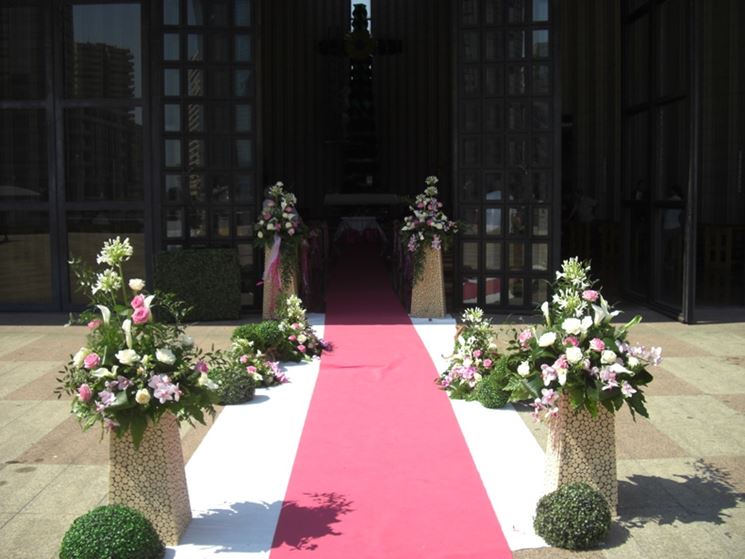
pixel 382 470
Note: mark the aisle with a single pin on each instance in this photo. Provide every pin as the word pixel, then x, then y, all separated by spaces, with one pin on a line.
pixel 382 469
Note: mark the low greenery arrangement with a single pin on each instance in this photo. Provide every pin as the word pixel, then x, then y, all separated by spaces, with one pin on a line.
pixel 268 338
pixel 575 516
pixel 294 324
pixel 132 369
pixel 426 226
pixel 112 531
pixel 208 280
pixel 490 392
pixel 473 357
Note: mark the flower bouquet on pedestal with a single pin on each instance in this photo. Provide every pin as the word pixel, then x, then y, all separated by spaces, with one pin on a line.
pixel 280 231
pixel 424 233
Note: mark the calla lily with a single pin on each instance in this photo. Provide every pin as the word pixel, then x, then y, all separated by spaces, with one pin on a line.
pixel 603 313
pixel 544 310
pixel 127 327
pixel 105 313
pixel 148 301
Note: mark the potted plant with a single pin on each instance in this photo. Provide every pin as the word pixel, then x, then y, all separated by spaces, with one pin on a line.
pixel 424 233
pixel 137 377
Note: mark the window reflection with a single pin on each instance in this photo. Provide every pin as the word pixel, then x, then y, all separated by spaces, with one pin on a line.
pixel 22 57
pixel 24 239
pixel 23 155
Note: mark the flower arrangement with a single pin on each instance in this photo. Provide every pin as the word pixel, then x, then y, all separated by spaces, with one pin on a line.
pixel 473 357
pixel 294 324
pixel 426 226
pixel 132 368
pixel 578 352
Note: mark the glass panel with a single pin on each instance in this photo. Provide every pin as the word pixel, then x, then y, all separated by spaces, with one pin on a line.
pixel 242 13
pixel 219 82
pixel 220 154
pixel 493 223
pixel 220 188
pixel 540 10
pixel 669 288
pixel 516 256
pixel 515 11
pixel 22 60
pixel 172 118
pixel 493 115
pixel 103 154
pixel 471 221
pixel 470 290
pixel 195 47
pixel 516 45
pixel 541 186
pixel 516 80
pixel 244 153
pixel 471 116
pixel 244 191
pixel 470 152
pixel 103 56
pixel 244 224
pixel 24 238
pixel 174 223
pixel 539 291
pixel 196 188
pixel 517 116
pixel 493 46
pixel 636 61
pixel 218 49
pixel 541 114
pixel 195 118
pixel 637 226
pixel 88 230
pixel 172 153
pixel 540 43
pixel 515 186
pixel 469 190
pixel 493 256
pixel 195 154
pixel 219 118
pixel 493 186
pixel 516 291
pixel 516 148
pixel 221 223
pixel 493 81
pixel 493 150
pixel 471 80
pixel 470 46
pixel 245 255
pixel 173 188
pixel 242 48
pixel 517 221
pixel 171 82
pixel 492 12
pixel 195 82
pixel 470 256
pixel 243 118
pixel 217 13
pixel 470 12
pixel 541 79
pixel 541 150
pixel 540 257
pixel 23 156
pixel 540 222
pixel 171 12
pixel 197 223
pixel 636 155
pixel 242 83
pixel 672 167
pixel 672 42
pixel 195 15
pixel 171 46
pixel 493 290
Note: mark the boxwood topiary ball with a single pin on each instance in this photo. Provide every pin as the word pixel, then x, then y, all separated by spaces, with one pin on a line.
pixel 490 392
pixel 575 516
pixel 111 531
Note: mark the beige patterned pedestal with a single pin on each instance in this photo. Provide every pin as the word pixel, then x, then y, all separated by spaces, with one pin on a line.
pixel 428 293
pixel 582 449
pixel 271 295
pixel 151 479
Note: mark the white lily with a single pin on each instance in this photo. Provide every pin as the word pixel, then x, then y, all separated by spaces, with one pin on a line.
pixel 105 313
pixel 127 327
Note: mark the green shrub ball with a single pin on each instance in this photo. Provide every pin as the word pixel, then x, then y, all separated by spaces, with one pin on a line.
pixel 575 516
pixel 234 386
pixel 269 338
pixel 111 531
pixel 490 392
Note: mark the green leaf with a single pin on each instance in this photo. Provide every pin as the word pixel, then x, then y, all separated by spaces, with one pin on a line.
pixel 137 428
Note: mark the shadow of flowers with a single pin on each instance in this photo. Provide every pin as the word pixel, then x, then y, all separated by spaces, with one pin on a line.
pixel 703 496
pixel 302 525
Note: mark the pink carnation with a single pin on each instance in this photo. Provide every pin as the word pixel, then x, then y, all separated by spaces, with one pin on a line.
pixel 571 340
pixel 292 338
pixel 596 344
pixel 85 392
pixel 202 367
pixel 141 315
pixel 524 337
pixel 91 360
pixel 93 324
pixel 243 359
pixel 590 295
pixel 301 348
pixel 138 301
pixel 477 353
pixel 487 363
pixel 251 369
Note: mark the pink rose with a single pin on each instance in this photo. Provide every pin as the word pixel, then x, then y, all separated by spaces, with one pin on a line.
pixel 487 363
pixel 561 362
pixel 524 337
pixel 243 359
pixel 295 325
pixel 93 324
pixel 201 367
pixel 301 348
pixel 596 344
pixel 590 295
pixel 571 340
pixel 141 315
pixel 251 369
pixel 138 301
pixel 91 360
pixel 292 338
pixel 85 392
pixel 477 353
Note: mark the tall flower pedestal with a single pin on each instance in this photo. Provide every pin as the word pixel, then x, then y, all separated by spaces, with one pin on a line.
pixel 582 448
pixel 271 293
pixel 151 478
pixel 428 292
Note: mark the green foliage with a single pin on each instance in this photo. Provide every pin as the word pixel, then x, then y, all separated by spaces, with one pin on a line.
pixel 112 531
pixel 208 280
pixel 575 516
pixel 269 338
pixel 234 384
pixel 491 390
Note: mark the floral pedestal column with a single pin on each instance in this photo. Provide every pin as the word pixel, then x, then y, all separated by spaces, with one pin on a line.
pixel 271 293
pixel 151 478
pixel 582 448
pixel 428 293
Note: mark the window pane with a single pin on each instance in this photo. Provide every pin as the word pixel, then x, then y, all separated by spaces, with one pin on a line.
pixel 540 257
pixel 197 223
pixel 195 15
pixel 470 256
pixel 196 188
pixel 516 291
pixel 469 12
pixel 218 50
pixel 217 13
pixel 221 223
pixel 516 45
pixel 171 46
pixel 23 155
pixel 540 43
pixel 242 48
pixel 103 154
pixel 195 48
pixel 103 56
pixel 515 11
pixel 244 191
pixel 174 223
pixel 470 46
pixel 516 186
pixel 541 114
pixel 172 153
pixel 493 186
pixel 195 82
pixel 517 221
pixel 516 256
pixel 539 291
pixel 470 290
pixel 220 188
pixel 541 186
pixel 242 83
pixel 471 221
pixel 243 118
pixel 22 61
pixel 469 187
pixel 540 222
pixel 244 154
pixel 195 118
pixel 493 260
pixel 244 224
pixel 25 246
pixel 541 79
pixel 171 118
pixel 173 188
pixel 493 46
pixel 493 221
pixel 171 12
pixel 540 10
pixel 516 80
pixel 493 291
pixel 218 118
pixel 195 154
pixel 242 12
pixel 171 82
pixel 218 80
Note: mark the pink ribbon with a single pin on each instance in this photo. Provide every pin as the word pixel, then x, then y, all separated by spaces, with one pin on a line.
pixel 272 272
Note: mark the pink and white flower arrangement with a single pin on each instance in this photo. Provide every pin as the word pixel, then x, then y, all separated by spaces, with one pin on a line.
pixel 579 352
pixel 132 368
pixel 279 216
pixel 297 329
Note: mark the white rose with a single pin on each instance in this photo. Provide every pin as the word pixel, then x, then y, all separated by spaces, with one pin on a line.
pixel 127 356
pixel 260 235
pixel 79 358
pixel 136 284
pixel 288 225
pixel 633 361
pixel 302 338
pixel 142 396
pixel 270 227
pixel 586 323
pixel 547 339
pixel 524 369
pixel 574 355
pixel 572 326
pixel 607 357
pixel 165 355
pixel 185 341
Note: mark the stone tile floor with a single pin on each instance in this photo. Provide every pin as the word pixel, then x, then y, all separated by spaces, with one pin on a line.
pixel 681 474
